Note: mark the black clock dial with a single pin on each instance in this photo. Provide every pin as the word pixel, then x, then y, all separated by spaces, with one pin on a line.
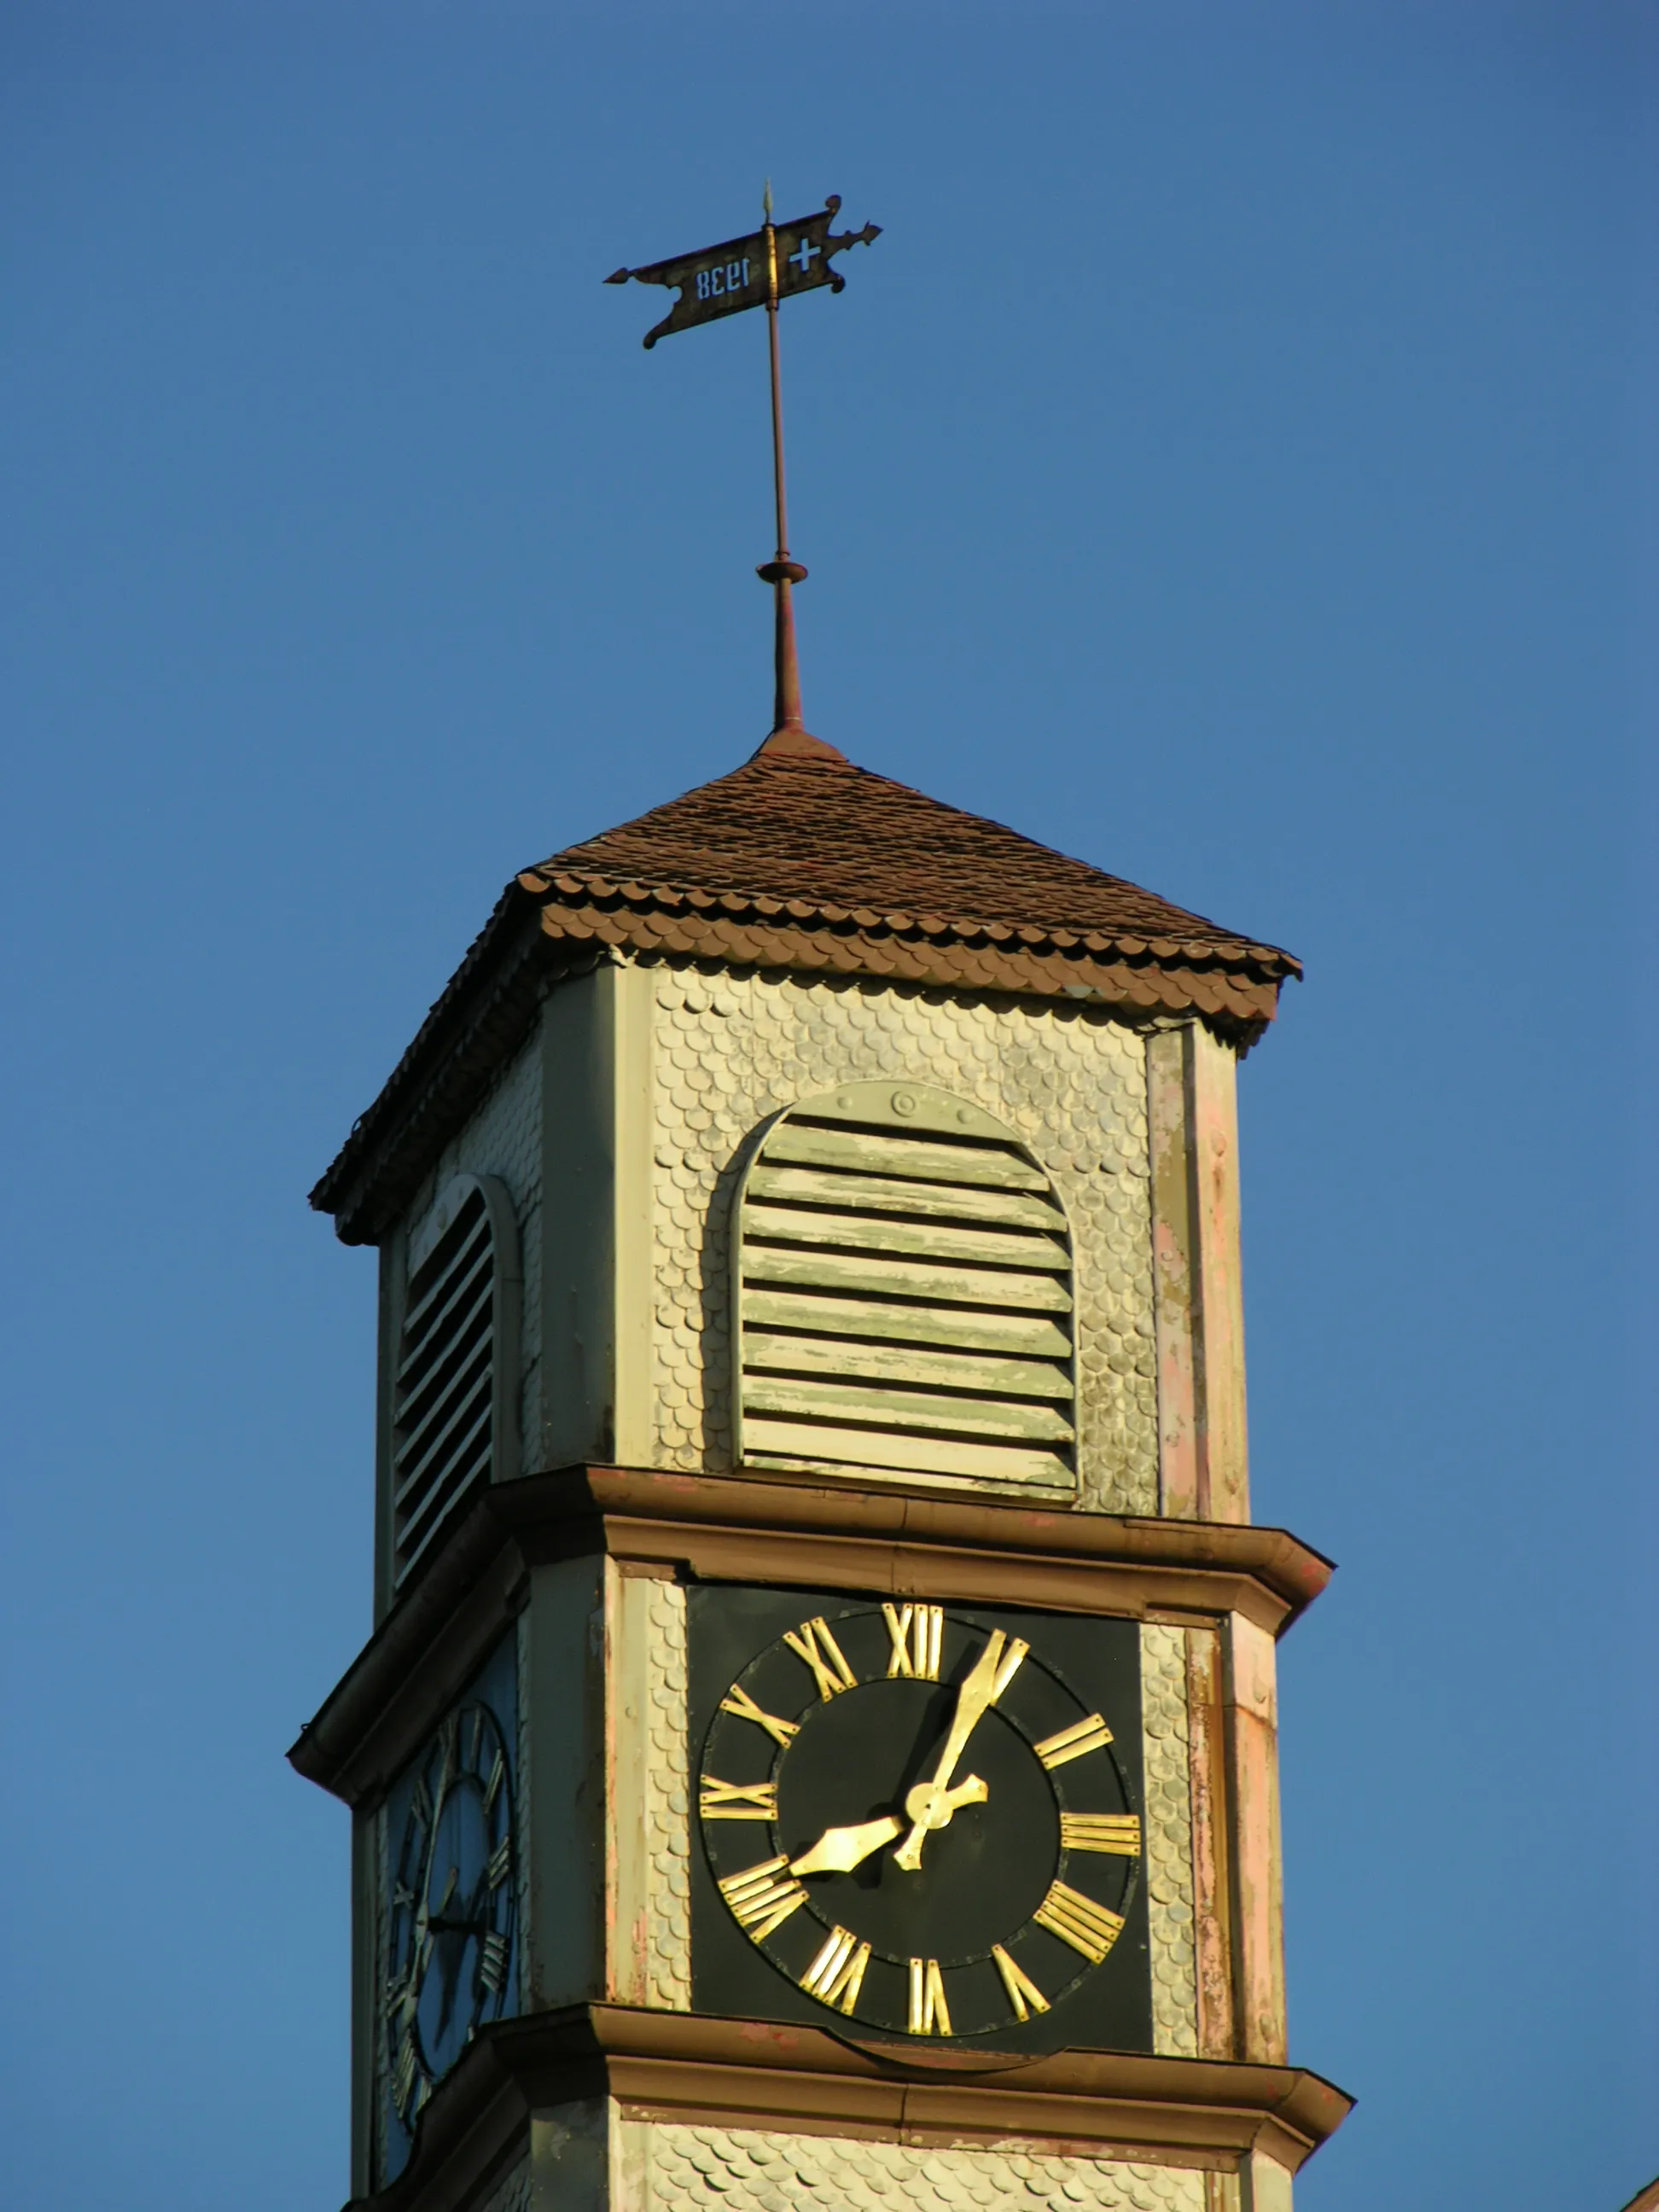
pixel 915 1818
pixel 452 1906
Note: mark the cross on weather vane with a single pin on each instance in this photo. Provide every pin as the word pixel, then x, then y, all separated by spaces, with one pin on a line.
pixel 760 270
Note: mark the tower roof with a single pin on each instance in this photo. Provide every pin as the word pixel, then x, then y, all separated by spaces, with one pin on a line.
pixel 823 840
pixel 801 861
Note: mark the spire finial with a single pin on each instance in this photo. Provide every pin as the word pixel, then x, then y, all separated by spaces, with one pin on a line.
pixel 781 572
pixel 723 280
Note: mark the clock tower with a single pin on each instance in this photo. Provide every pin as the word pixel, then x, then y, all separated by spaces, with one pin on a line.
pixel 818 1742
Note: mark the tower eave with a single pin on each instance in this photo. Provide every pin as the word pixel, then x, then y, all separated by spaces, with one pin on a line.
pixel 818 2081
pixel 802 863
pixel 534 938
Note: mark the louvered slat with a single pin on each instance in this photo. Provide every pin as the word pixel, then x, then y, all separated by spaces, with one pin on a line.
pixel 450 1261
pixel 797 1445
pixel 439 1319
pixel 906 1365
pixel 887 1194
pixel 891 1320
pixel 433 1444
pixel 876 1152
pixel 900 1278
pixel 444 1387
pixel 908 1409
pixel 969 1244
pixel 468 1458
pixel 434 1379
pixel 904 1295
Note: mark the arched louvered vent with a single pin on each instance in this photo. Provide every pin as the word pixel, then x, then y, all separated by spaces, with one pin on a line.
pixel 452 1419
pixel 903 1292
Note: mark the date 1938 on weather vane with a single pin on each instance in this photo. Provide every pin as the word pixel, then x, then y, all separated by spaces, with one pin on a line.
pixel 769 265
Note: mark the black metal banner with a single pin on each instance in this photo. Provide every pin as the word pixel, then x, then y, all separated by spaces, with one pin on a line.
pixel 723 280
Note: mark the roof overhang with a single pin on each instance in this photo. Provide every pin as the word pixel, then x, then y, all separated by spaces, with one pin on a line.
pixel 547 924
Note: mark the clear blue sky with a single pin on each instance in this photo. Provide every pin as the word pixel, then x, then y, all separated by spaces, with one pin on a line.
pixel 1236 465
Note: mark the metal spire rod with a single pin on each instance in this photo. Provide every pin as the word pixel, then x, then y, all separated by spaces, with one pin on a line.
pixel 723 280
pixel 781 572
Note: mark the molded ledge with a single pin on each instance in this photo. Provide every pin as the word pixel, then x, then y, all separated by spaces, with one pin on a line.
pixel 737 1529
pixel 734 2073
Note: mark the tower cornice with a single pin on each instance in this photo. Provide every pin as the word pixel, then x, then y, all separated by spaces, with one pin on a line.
pixel 911 1542
pixel 713 2072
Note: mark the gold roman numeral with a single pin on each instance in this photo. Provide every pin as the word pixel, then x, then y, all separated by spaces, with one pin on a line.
pixel 500 1863
pixel 493 1786
pixel 1116 1832
pixel 420 1802
pixel 813 1642
pixel 1023 1994
pixel 737 1700
pixel 1005 1663
pixel 929 2013
pixel 916 1632
pixel 403 2078
pixel 492 1965
pixel 759 1900
pixel 738 1801
pixel 837 1975
pixel 1088 1928
pixel 1090 1735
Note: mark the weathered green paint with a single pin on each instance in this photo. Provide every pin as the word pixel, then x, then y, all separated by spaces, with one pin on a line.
pixel 987 1247
pixel 903 1279
pixel 968 1462
pixel 1007 1209
pixel 834 1148
pixel 907 1409
pixel 1021 1378
pixel 1006 1332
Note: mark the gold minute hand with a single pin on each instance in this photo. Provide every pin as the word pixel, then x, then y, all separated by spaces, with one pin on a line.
pixel 932 1803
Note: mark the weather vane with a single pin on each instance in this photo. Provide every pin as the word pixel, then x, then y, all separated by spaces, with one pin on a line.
pixel 759 271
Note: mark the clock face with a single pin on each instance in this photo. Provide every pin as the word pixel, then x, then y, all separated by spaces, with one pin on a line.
pixel 452 1904
pixel 922 1820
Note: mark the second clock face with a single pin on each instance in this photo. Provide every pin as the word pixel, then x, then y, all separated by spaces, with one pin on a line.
pixel 924 1819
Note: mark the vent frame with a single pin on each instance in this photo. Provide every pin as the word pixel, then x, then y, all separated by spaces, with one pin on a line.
pixel 480 1208
pixel 1030 1337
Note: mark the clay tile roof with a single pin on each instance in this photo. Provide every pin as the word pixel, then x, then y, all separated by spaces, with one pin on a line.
pixel 817 832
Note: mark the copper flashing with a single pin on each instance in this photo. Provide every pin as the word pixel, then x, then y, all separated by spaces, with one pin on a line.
pixel 911 1543
pixel 1207 2113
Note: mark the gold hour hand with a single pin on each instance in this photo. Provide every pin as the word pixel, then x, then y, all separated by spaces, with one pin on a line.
pixel 838 1851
